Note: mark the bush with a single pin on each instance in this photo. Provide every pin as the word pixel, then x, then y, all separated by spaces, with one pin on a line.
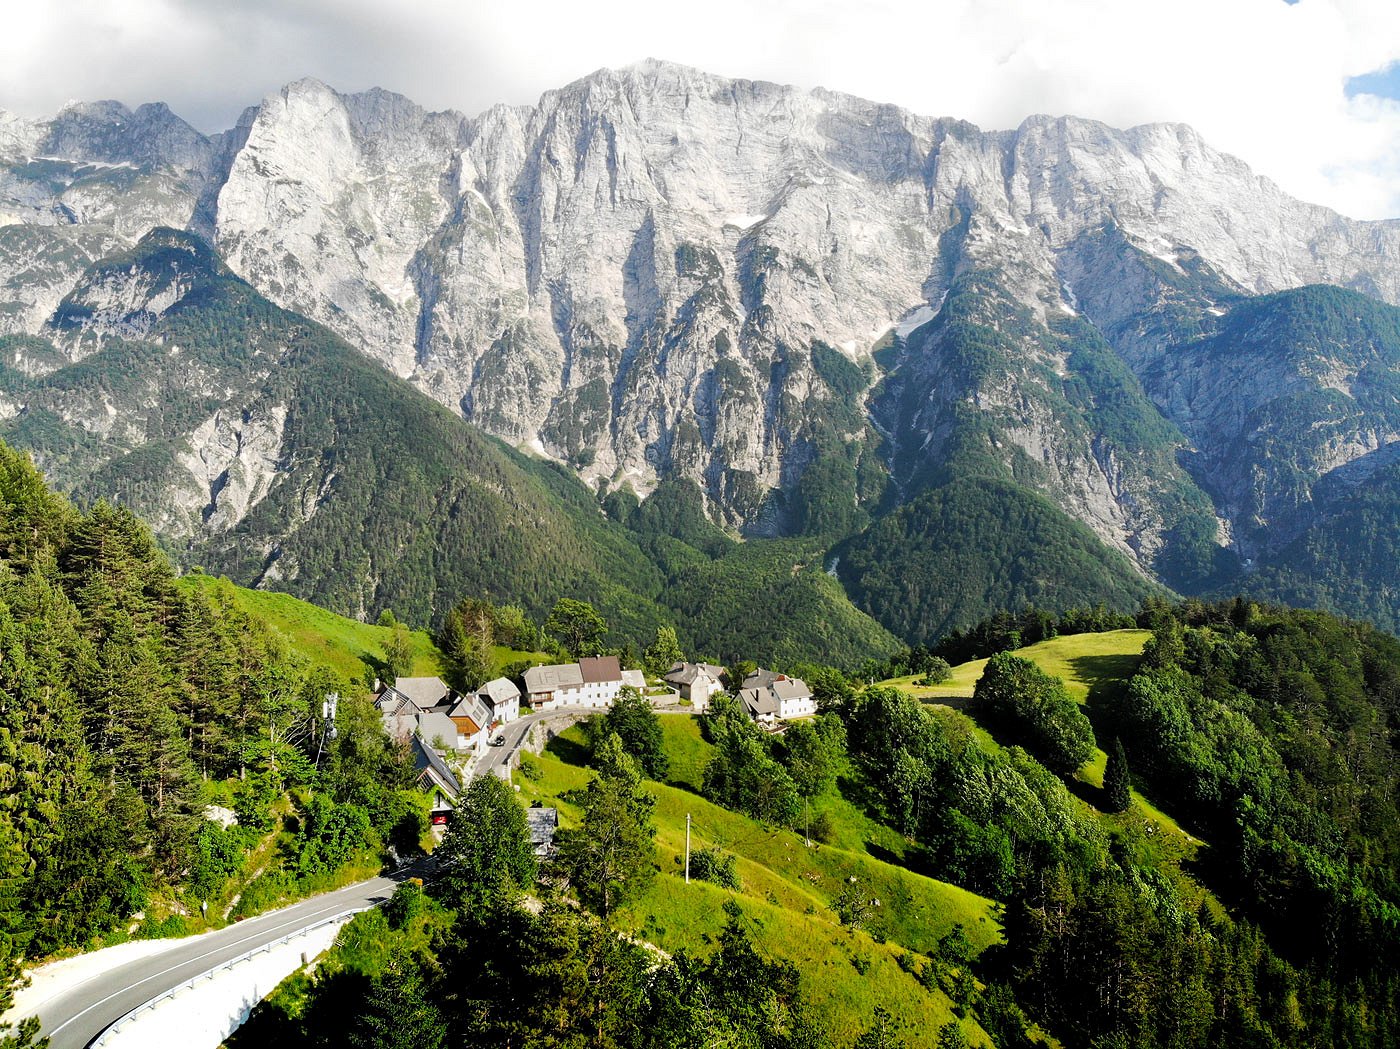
pixel 938 671
pixel 405 905
pixel 822 828
pixel 714 866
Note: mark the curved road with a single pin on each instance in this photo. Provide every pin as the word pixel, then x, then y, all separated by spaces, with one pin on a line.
pixel 76 1016
pixel 73 1018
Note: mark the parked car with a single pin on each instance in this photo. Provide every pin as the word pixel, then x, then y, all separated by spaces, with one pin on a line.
pixel 498 740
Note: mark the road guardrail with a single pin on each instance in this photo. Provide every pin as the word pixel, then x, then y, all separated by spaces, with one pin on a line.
pixel 209 974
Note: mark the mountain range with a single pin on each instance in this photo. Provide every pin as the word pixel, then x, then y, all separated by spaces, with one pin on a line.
pixel 936 369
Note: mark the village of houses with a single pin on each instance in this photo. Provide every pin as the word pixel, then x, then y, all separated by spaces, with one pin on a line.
pixel 452 735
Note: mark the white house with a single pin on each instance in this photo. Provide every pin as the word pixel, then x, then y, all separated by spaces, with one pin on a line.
pixel 503 698
pixel 782 698
pixel 593 681
pixel 697 682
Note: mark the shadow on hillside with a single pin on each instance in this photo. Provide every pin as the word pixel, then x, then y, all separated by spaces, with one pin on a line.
pixel 1086 792
pixel 916 859
pixel 959 703
pixel 569 751
pixel 1107 678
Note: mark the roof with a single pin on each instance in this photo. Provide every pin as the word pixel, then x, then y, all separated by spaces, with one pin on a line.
pixel 554 676
pixel 543 822
pixel 596 669
pixel 686 673
pixel 392 701
pixel 499 690
pixel 791 688
pixel 437 725
pixel 432 769
pixel 759 700
pixel 761 678
pixel 635 678
pixel 399 726
pixel 425 692
pixel 476 710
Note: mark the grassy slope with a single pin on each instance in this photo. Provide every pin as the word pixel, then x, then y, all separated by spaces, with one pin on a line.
pixel 1082 661
pixel 786 890
pixel 1093 667
pixel 344 645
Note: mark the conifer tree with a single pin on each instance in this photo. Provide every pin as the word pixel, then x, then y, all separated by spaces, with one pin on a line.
pixel 1116 779
pixel 610 856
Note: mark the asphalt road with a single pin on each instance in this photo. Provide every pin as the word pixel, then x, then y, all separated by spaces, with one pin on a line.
pixel 78 1015
pixel 75 1017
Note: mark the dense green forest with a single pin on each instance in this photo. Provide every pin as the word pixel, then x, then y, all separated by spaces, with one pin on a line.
pixel 960 552
pixel 1270 733
pixel 127 705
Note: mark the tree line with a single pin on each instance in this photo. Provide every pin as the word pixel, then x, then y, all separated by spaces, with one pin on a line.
pixel 128 704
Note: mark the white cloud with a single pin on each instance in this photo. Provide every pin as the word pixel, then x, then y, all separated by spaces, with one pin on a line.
pixel 1259 78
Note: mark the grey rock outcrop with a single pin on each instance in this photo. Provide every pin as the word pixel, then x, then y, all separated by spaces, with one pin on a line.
pixel 631 275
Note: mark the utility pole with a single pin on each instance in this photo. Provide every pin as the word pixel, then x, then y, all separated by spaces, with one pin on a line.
pixel 687 848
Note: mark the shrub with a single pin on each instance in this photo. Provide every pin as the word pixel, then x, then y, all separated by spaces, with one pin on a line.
pixel 714 866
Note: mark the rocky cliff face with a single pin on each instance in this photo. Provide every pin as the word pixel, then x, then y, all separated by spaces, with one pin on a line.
pixel 655 273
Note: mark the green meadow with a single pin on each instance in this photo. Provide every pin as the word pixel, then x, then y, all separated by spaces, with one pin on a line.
pixel 786 891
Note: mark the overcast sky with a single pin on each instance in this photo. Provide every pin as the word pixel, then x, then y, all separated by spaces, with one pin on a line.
pixel 1271 81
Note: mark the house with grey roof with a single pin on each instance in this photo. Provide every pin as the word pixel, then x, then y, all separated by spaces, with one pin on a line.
pixel 435 775
pixel 543 822
pixel 503 697
pixel 760 678
pixel 782 699
pixel 438 730
pixel 474 719
pixel 697 682
pixel 425 693
pixel 593 681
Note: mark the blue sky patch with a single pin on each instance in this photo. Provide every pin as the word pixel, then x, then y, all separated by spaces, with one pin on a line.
pixel 1383 82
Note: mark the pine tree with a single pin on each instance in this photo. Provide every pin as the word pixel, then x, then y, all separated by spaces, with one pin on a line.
pixel 610 856
pixel 1116 780
pixel 400 1013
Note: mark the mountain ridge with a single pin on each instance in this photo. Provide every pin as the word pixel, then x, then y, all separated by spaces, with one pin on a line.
pixel 656 274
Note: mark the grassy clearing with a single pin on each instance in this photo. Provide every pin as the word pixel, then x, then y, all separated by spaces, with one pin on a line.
pixel 787 890
pixel 1084 662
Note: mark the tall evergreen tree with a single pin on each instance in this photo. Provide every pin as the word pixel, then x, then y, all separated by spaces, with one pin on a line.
pixel 1116 779
pixel 610 857
pixel 400 1013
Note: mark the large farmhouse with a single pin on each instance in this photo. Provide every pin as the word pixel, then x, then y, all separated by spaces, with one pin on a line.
pixel 770 697
pixel 593 681
pixel 697 682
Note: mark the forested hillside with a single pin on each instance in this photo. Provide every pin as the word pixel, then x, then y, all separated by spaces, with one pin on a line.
pixel 127 704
